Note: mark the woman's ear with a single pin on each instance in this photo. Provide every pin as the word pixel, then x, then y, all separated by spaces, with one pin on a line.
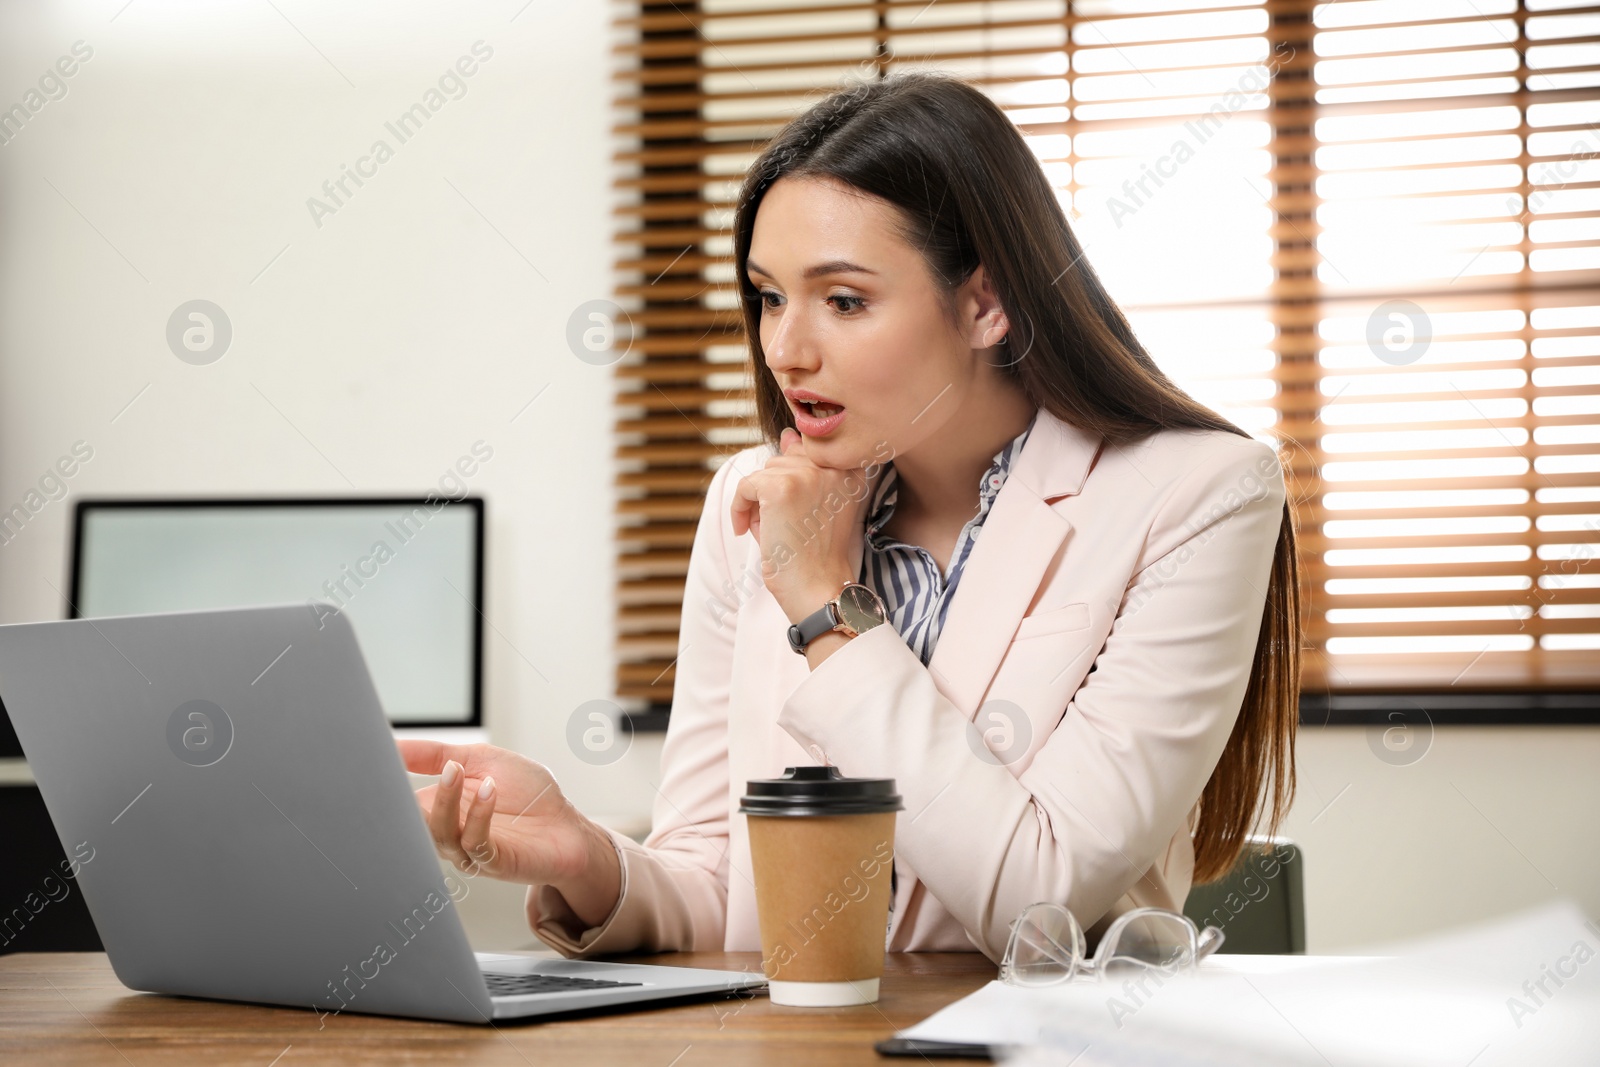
pixel 989 323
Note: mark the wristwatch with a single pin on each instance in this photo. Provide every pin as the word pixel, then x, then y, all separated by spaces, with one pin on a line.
pixel 855 610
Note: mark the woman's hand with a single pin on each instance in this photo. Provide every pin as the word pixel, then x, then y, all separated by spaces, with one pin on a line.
pixel 804 517
pixel 512 822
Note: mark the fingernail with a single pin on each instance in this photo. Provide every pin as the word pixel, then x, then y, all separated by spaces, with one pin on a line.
pixel 485 789
pixel 452 770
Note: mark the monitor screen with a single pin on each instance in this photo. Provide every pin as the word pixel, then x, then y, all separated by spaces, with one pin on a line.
pixel 407 573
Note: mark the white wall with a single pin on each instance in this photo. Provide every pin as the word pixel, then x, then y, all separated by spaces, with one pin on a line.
pixel 372 351
pixel 376 348
pixel 1488 820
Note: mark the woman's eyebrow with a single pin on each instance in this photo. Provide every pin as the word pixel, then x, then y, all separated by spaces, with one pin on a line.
pixel 832 266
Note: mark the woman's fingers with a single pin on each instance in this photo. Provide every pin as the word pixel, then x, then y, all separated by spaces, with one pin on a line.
pixel 475 840
pixel 746 508
pixel 459 808
pixel 422 756
pixel 471 846
pixel 444 821
pixel 425 801
pixel 745 503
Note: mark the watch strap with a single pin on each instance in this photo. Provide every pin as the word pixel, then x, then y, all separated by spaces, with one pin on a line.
pixel 813 626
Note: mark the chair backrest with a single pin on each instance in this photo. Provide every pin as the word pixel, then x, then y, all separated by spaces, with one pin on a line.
pixel 1260 904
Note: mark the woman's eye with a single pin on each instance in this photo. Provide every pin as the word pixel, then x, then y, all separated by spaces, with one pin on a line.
pixel 851 304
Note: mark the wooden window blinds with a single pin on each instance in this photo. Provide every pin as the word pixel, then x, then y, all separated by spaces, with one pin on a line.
pixel 1368 230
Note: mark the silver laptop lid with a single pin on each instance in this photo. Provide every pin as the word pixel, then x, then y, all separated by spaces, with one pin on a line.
pixel 240 818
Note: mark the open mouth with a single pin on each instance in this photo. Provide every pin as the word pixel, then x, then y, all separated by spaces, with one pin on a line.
pixel 819 410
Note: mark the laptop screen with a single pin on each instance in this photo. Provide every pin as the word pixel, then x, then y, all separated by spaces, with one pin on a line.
pixel 406 572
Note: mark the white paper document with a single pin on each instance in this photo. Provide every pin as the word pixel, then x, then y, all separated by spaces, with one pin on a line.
pixel 1524 990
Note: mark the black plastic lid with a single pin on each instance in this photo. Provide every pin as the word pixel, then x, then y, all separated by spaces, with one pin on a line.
pixel 819 791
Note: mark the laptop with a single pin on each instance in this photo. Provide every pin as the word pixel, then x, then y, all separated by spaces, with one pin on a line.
pixel 231 802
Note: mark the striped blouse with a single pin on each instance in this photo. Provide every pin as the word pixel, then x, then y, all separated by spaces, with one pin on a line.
pixel 908 579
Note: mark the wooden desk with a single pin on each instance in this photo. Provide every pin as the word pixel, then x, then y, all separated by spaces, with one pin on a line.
pixel 68 1008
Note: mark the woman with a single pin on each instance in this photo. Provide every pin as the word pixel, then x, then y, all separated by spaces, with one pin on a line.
pixel 1092 703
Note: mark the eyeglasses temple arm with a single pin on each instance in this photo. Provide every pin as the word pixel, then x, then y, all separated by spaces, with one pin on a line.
pixel 1211 939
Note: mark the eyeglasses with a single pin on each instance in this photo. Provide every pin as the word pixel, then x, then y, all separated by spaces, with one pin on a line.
pixel 1046 946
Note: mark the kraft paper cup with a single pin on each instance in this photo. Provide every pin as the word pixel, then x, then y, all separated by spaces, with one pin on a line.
pixel 822 846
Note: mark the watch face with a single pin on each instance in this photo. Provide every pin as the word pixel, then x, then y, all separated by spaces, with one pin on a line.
pixel 860 608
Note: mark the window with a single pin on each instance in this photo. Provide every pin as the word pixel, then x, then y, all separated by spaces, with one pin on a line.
pixel 1369 230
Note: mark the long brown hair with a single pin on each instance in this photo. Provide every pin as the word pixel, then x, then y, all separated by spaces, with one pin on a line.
pixel 970 191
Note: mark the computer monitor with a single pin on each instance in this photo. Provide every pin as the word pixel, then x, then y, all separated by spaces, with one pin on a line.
pixel 407 572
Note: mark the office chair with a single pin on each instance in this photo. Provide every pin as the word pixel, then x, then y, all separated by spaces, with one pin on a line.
pixel 1260 904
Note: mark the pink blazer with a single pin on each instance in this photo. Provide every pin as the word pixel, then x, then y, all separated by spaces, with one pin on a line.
pixel 1091 667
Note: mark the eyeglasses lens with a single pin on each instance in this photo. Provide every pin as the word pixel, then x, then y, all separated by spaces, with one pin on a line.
pixel 1149 942
pixel 1046 944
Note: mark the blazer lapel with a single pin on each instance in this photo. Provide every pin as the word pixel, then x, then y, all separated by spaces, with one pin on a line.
pixel 1015 545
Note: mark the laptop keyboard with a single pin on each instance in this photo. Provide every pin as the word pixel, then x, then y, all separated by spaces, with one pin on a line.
pixel 521 985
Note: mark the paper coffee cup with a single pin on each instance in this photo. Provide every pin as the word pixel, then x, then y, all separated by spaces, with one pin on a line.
pixel 822 846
